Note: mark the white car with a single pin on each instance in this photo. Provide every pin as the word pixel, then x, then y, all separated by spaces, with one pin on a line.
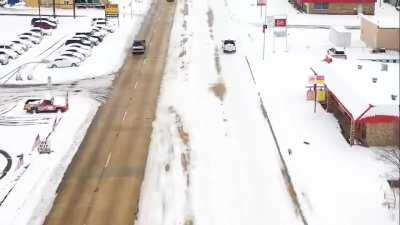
pixel 82 51
pixel 63 61
pixel 73 55
pixel 229 46
pixel 93 40
pixel 11 53
pixel 29 38
pixel 33 34
pixel 18 47
pixel 41 31
pixel 4 59
pixel 105 27
pixel 95 20
pixel 8 47
pixel 25 43
pixel 84 47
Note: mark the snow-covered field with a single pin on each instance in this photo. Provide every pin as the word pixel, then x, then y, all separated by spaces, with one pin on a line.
pixel 212 158
pixel 28 189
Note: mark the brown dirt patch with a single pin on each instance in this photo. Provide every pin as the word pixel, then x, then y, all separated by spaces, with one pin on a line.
pixel 219 90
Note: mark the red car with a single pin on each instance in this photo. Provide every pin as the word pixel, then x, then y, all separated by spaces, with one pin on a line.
pixel 44 24
pixel 44 106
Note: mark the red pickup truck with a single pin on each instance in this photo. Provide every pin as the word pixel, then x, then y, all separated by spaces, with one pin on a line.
pixel 44 106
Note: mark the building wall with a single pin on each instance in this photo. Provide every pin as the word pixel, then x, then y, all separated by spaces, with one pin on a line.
pixel 64 4
pixel 344 120
pixel 388 38
pixel 369 33
pixel 375 37
pixel 342 8
pixel 382 134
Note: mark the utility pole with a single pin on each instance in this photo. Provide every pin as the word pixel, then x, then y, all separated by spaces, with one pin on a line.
pixel 54 8
pixel 73 8
pixel 39 8
pixel 264 29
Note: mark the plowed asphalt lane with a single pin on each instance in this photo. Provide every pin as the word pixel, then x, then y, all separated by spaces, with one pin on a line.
pixel 102 183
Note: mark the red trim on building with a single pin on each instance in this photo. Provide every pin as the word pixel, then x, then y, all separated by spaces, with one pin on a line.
pixel 380 119
pixel 336 1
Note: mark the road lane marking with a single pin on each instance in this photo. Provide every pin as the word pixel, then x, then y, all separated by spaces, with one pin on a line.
pixel 108 159
pixel 123 118
pixel 135 85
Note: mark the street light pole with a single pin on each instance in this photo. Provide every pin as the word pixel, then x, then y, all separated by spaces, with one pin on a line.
pixel 54 8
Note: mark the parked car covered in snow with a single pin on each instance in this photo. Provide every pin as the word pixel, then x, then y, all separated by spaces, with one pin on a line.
pixel 78 41
pixel 92 40
pixel 79 56
pixel 33 34
pixel 49 19
pixel 10 53
pixel 104 26
pixel 4 59
pixel 64 61
pixel 80 46
pixel 18 47
pixel 229 46
pixel 45 106
pixel 84 52
pixel 41 31
pixel 26 44
pixel 30 38
pixel 19 51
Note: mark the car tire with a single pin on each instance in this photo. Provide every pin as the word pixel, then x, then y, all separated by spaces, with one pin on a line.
pixel 53 66
pixel 74 65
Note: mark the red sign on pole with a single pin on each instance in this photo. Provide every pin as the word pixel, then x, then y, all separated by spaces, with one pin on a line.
pixel 261 2
pixel 280 22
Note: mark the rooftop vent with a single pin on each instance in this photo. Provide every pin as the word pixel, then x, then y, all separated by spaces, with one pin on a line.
pixel 394 97
pixel 374 79
pixel 359 67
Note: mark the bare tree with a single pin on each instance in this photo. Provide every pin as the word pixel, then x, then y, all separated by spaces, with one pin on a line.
pixel 391 156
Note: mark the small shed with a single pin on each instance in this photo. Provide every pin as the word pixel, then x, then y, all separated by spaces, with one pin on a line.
pixel 364 99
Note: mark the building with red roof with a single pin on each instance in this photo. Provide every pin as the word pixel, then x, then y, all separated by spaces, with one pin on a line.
pixel 346 7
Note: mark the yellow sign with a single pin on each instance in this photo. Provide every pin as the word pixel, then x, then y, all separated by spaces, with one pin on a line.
pixel 112 10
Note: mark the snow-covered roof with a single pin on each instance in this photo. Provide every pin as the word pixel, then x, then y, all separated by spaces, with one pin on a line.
pixel 390 20
pixel 356 90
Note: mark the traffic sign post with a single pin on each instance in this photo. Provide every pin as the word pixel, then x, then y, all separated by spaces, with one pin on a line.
pixel 262 3
pixel 280 29
pixel 111 10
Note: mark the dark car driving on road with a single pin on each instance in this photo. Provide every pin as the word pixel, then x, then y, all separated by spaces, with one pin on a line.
pixel 138 46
